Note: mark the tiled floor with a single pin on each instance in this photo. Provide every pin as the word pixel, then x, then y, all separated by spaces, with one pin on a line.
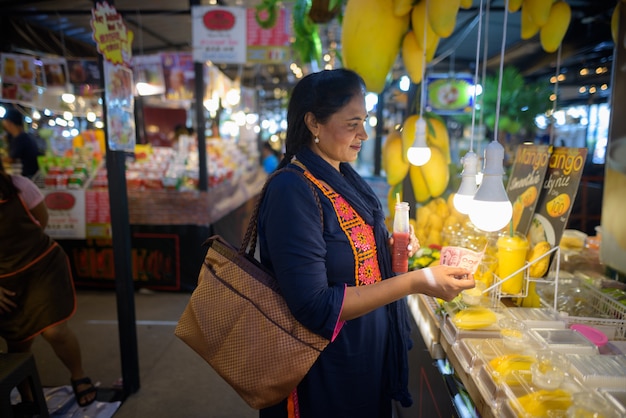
pixel 174 381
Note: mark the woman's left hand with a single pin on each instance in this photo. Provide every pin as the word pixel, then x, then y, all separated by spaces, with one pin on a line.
pixel 414 243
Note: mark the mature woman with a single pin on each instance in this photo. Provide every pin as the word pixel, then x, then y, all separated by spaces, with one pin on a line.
pixel 337 280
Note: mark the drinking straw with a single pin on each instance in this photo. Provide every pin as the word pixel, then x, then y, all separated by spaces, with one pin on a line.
pixel 397 197
pixel 511 233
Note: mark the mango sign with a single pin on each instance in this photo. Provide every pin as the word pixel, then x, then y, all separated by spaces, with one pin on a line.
pixel 113 39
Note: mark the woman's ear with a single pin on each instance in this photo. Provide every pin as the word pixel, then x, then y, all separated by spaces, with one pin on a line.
pixel 311 123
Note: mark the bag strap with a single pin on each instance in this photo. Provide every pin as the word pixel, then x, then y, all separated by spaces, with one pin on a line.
pixel 250 238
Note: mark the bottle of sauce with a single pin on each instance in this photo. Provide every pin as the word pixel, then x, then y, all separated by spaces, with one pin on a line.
pixel 401 238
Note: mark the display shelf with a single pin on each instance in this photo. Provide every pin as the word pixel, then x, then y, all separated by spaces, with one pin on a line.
pixel 600 310
pixel 495 290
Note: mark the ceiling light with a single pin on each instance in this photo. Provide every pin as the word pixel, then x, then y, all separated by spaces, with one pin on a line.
pixel 491 209
pixel 464 197
pixel 419 153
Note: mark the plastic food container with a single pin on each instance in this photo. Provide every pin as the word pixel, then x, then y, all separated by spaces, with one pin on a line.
pixel 538 318
pixel 526 400
pixel 606 371
pixel 475 296
pixel 549 369
pixel 494 364
pixel 592 334
pixel 591 404
pixel 463 321
pixel 565 341
pixel 514 333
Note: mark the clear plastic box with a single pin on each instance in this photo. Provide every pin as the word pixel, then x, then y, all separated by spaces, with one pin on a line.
pixel 525 400
pixel 457 324
pixel 538 317
pixel 565 341
pixel 606 371
pixel 493 363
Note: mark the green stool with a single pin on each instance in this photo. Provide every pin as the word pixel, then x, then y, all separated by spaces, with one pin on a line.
pixel 14 369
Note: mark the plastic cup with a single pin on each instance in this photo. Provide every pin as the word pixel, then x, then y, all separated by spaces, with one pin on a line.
pixel 549 370
pixel 512 252
pixel 485 270
pixel 514 333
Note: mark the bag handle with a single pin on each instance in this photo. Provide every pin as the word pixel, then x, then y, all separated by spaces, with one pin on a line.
pixel 250 238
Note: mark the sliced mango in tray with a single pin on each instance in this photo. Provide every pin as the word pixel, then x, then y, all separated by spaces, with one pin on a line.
pixel 474 317
pixel 545 403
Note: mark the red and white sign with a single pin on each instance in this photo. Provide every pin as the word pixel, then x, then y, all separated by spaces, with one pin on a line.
pixel 219 34
pixel 66 213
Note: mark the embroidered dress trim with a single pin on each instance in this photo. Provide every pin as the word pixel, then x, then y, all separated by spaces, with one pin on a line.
pixel 359 234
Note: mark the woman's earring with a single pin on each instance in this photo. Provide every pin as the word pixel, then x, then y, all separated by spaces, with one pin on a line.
pixel 316 140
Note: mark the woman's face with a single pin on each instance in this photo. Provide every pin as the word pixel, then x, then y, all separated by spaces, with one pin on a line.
pixel 341 136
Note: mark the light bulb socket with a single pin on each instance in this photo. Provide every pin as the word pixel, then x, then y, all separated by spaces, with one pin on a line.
pixel 420 134
pixel 494 157
pixel 470 164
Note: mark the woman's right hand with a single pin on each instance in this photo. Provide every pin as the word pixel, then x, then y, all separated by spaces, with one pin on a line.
pixel 444 282
pixel 6 301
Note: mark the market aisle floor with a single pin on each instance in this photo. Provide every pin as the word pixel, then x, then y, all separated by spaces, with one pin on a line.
pixel 174 380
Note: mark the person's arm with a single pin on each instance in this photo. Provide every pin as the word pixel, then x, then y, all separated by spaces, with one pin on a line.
pixel 40 212
pixel 439 281
pixel 33 198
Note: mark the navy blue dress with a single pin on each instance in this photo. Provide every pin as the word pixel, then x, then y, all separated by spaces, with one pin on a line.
pixel 313 268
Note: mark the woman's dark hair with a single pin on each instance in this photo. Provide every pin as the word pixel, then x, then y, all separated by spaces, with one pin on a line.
pixel 323 93
pixel 7 188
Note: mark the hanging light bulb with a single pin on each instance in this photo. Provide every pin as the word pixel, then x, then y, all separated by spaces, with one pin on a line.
pixel 491 208
pixel 464 198
pixel 419 153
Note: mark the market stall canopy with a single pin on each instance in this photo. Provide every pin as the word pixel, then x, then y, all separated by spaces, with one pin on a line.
pixel 62 27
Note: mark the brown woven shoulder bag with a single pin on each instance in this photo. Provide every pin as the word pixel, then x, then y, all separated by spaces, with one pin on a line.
pixel 239 323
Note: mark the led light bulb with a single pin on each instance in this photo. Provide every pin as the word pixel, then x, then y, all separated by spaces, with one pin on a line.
pixel 419 153
pixel 464 198
pixel 491 208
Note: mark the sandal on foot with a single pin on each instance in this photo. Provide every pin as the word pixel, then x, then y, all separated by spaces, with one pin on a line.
pixel 80 395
